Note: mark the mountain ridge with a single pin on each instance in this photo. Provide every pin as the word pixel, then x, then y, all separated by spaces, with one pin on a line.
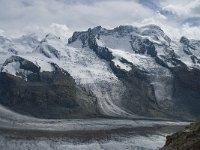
pixel 130 71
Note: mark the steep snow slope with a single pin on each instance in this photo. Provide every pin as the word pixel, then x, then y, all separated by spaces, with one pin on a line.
pixel 95 75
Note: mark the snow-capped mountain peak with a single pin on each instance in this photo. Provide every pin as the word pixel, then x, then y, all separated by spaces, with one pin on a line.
pixel 126 67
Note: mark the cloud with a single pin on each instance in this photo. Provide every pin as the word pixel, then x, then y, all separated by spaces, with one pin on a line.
pixel 185 8
pixel 39 15
pixel 59 30
pixel 185 12
pixel 1 32
pixel 74 15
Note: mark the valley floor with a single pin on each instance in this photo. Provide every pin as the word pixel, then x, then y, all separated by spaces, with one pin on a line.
pixel 94 134
pixel 18 132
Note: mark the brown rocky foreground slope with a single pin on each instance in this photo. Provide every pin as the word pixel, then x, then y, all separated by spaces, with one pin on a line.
pixel 187 139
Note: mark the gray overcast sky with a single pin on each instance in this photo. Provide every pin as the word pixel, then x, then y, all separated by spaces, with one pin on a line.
pixel 176 17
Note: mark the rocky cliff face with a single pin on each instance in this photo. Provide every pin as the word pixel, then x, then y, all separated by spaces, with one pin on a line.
pixel 123 72
pixel 43 94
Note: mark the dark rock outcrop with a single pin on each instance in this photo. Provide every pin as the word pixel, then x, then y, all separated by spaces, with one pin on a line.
pixel 45 94
pixel 139 97
pixel 188 139
pixel 143 46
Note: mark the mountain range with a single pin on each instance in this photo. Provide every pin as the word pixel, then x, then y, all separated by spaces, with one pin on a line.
pixel 126 72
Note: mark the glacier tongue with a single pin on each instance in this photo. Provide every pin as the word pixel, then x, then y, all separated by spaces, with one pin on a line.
pixel 95 74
